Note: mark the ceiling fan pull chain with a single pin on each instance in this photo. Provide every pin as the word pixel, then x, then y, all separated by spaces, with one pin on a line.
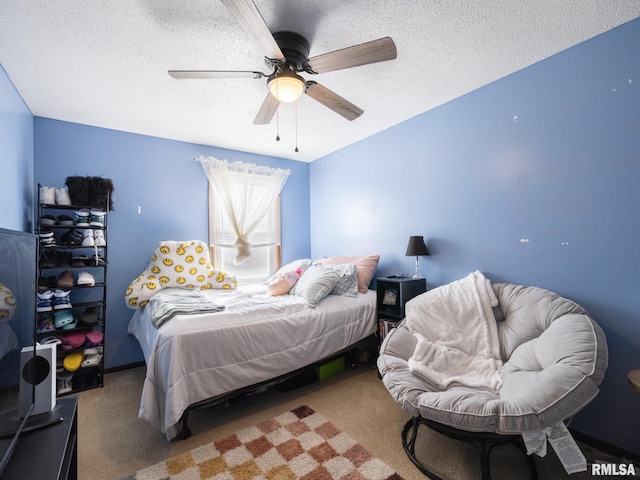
pixel 296 150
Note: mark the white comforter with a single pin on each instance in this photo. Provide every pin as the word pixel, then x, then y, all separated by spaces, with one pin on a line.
pixel 256 338
pixel 457 335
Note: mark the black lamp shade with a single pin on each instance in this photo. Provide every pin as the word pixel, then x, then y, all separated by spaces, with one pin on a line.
pixel 416 247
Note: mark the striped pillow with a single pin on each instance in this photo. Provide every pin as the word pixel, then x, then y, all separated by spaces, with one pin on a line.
pixel 348 283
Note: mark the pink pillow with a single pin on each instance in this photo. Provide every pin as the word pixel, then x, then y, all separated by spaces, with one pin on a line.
pixel 366 267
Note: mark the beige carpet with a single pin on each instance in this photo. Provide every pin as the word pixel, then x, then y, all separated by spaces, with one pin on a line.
pixel 299 444
pixel 114 443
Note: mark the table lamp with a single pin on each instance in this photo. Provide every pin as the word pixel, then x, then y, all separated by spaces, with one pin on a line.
pixel 417 248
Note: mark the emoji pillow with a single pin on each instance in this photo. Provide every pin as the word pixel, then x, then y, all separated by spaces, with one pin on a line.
pixel 7 304
pixel 177 265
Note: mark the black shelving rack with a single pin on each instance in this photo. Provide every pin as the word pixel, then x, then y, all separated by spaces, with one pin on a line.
pixel 83 298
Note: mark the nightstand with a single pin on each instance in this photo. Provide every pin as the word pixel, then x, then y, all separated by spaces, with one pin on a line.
pixel 392 295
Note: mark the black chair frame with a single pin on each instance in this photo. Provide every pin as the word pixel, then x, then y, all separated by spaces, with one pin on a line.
pixel 482 441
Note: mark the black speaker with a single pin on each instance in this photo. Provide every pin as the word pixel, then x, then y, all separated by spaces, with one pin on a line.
pixel 37 372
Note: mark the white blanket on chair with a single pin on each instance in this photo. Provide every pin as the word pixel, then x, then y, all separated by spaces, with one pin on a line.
pixel 457 335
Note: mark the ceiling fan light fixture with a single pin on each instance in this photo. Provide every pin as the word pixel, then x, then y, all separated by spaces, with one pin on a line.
pixel 286 86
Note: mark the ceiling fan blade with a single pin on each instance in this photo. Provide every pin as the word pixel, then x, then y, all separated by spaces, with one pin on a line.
pixel 375 51
pixel 333 101
pixel 252 22
pixel 208 74
pixel 267 110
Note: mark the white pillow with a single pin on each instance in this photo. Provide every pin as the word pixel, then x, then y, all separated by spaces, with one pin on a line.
pixel 315 284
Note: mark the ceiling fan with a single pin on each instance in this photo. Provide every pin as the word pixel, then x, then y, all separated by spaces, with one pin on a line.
pixel 287 54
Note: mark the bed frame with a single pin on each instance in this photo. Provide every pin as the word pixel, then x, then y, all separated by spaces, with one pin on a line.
pixel 351 353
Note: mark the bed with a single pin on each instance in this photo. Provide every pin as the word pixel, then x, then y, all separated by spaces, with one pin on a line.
pixel 204 357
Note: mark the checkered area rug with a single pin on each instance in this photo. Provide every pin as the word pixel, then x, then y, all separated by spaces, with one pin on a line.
pixel 297 445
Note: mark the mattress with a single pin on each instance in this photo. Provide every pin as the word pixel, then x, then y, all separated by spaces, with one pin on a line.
pixel 256 337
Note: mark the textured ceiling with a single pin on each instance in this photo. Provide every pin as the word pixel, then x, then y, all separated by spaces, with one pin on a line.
pixel 104 63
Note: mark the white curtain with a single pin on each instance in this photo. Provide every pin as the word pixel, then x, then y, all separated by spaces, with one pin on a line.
pixel 247 192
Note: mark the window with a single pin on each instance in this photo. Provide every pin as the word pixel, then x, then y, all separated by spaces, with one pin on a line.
pixel 265 242
pixel 244 217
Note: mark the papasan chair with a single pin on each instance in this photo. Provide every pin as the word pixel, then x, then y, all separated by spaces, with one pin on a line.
pixel 487 363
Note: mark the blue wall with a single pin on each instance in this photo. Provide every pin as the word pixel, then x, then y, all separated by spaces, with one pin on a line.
pixel 162 179
pixel 533 179
pixel 16 158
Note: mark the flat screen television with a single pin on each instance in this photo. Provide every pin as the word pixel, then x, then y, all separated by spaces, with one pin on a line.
pixel 18 289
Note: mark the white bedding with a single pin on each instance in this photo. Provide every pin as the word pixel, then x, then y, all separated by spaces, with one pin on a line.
pixel 256 338
pixel 457 336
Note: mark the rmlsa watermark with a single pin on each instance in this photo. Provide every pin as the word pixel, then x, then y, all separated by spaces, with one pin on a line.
pixel 622 469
